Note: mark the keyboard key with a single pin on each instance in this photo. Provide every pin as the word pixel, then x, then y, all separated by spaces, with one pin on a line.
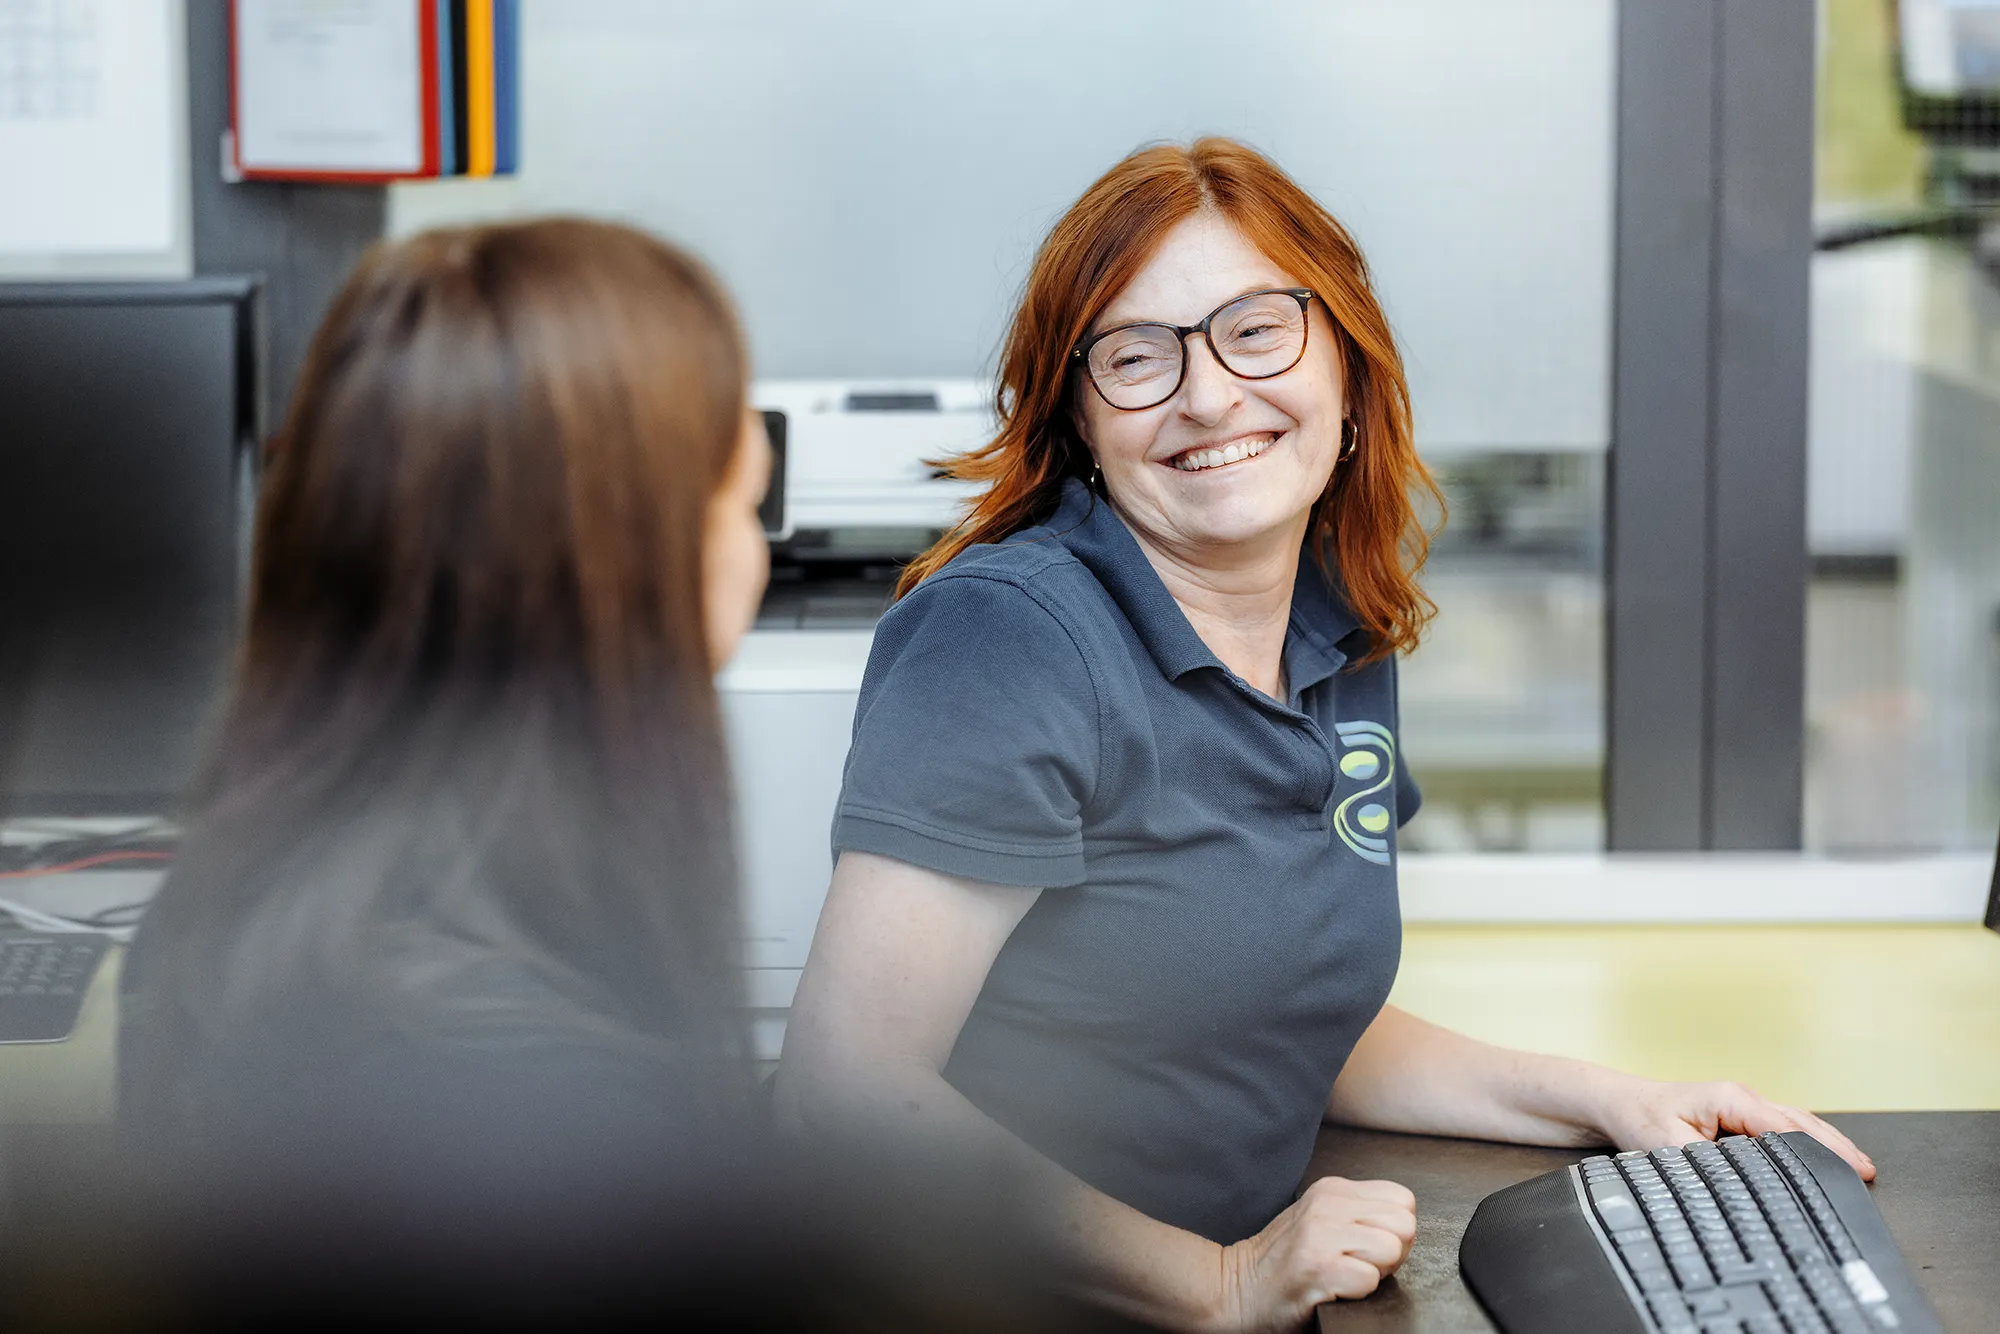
pixel 1799 1241
pixel 1615 1205
pixel 1861 1280
pixel 1668 1306
pixel 1748 1271
pixel 1747 1302
pixel 1692 1273
pixel 1671 1311
pixel 1642 1254
pixel 1652 1281
pixel 1722 1256
pixel 1708 1303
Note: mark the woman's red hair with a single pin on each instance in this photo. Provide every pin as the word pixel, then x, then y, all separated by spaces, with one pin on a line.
pixel 1365 529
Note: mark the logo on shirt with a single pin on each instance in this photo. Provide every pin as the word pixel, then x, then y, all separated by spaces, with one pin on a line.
pixel 1362 821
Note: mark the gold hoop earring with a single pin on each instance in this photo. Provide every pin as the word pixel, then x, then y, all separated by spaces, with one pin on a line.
pixel 1349 438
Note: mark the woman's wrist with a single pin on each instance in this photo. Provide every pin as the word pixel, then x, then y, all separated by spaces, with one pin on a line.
pixel 1159 1275
pixel 1603 1096
pixel 1217 1312
pixel 1577 1101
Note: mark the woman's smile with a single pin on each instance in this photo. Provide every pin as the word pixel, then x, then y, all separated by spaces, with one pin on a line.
pixel 1205 458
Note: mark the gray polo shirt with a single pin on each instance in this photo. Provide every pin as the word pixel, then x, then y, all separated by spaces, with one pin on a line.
pixel 1219 921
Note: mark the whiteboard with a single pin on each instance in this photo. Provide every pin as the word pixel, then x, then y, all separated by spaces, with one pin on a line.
pixel 93 139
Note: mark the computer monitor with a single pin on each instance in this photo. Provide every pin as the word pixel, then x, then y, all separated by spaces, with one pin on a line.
pixel 129 420
pixel 1948 59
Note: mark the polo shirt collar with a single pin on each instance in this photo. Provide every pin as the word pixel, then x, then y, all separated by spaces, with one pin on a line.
pixel 1096 536
pixel 1321 623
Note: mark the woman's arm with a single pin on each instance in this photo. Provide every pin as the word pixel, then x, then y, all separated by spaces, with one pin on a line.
pixel 1406 1074
pixel 899 957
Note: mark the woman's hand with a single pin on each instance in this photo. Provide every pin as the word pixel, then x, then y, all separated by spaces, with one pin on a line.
pixel 1338 1240
pixel 1638 1113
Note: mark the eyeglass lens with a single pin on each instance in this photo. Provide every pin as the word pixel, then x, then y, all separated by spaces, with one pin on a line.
pixel 1255 337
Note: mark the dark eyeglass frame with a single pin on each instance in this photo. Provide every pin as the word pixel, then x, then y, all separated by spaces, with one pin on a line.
pixel 1080 354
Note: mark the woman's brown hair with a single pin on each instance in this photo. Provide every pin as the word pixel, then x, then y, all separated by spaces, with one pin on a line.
pixel 473 709
pixel 1365 529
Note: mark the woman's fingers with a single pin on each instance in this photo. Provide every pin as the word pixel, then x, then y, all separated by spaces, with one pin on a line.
pixel 1834 1140
pixel 1398 1223
pixel 1390 1191
pixel 1350 1278
pixel 1741 1111
pixel 1338 1223
pixel 1335 1242
pixel 1377 1246
pixel 1372 1220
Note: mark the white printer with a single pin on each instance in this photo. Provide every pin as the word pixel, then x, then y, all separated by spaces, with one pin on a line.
pixel 857 497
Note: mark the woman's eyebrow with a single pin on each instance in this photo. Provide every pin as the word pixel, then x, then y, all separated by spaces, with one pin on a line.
pixel 1108 321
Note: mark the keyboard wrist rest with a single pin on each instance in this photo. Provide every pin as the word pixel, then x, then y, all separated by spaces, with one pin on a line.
pixel 1529 1250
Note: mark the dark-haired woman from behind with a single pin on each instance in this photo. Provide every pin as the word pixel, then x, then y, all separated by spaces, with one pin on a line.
pixel 446 968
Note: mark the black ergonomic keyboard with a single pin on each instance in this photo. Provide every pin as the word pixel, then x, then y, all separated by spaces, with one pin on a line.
pixel 42 981
pixel 1772 1235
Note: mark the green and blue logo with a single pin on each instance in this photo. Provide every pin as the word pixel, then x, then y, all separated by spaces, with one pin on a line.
pixel 1362 821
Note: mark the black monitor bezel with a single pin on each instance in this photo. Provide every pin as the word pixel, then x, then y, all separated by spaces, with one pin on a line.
pixel 245 294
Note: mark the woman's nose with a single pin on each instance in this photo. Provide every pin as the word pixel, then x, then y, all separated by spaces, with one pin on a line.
pixel 1209 390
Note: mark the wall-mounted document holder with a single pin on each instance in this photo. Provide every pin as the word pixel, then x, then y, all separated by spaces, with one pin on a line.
pixel 373 90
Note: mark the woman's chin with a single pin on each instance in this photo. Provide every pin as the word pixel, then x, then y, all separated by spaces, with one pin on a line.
pixel 1243 526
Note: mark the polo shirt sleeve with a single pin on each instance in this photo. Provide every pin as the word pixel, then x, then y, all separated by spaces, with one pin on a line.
pixel 976 739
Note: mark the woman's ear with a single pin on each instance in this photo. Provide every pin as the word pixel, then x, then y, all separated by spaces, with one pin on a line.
pixel 1089 450
pixel 1077 427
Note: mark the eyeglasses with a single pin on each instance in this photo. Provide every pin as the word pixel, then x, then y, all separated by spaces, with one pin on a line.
pixel 1254 337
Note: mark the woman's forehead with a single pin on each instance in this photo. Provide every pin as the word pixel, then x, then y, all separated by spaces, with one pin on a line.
pixel 1203 262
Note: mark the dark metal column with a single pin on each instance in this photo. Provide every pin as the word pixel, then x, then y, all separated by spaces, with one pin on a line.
pixel 1757 518
pixel 1656 564
pixel 1707 561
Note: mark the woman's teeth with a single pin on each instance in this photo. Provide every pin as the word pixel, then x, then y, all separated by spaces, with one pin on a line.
pixel 1235 452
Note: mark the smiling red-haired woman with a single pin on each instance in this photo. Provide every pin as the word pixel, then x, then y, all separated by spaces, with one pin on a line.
pixel 1115 898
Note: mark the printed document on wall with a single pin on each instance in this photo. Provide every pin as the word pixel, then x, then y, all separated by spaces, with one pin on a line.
pixel 329 87
pixel 91 143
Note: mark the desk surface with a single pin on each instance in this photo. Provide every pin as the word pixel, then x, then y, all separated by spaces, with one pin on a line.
pixel 1938 1188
